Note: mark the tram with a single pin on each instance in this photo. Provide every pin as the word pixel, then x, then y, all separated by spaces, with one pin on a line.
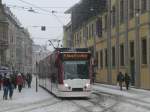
pixel 67 72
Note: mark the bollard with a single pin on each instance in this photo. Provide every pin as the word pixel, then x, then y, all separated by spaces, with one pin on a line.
pixel 36 84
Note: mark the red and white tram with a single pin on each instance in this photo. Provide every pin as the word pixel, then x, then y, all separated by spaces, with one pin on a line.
pixel 67 72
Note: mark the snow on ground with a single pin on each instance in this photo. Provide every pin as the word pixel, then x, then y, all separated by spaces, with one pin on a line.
pixel 31 101
pixel 138 94
pixel 27 97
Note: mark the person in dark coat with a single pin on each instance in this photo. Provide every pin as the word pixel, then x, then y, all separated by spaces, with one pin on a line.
pixel 13 80
pixel 127 80
pixel 0 81
pixel 11 86
pixel 120 79
pixel 29 79
pixel 6 85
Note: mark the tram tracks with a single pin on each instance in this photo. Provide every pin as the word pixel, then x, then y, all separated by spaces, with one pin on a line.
pixel 31 106
pixel 127 100
pixel 99 101
pixel 96 102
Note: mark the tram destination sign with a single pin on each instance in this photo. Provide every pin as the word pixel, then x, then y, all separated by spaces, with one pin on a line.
pixel 75 56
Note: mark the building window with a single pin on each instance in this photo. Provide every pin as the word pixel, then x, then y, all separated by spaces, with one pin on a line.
pixel 96 61
pixel 113 16
pixel 121 11
pixel 92 33
pixel 144 51
pixel 122 55
pixel 131 8
pixel 105 22
pixel 86 32
pixel 143 6
pixel 99 27
pixel 106 58
pixel 77 39
pixel 89 32
pixel 131 49
pixel 101 59
pixel 80 37
pixel 113 57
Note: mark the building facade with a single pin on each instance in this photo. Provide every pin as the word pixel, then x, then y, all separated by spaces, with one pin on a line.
pixel 15 42
pixel 121 42
pixel 27 45
pixel 39 53
pixel 67 40
pixel 3 36
pixel 24 51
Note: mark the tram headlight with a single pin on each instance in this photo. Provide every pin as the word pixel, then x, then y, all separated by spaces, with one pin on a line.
pixel 87 85
pixel 66 85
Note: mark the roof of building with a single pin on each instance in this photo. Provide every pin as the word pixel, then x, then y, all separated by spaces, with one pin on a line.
pixel 84 10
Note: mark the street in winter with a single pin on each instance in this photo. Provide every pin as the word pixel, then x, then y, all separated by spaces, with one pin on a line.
pixel 74 55
pixel 104 98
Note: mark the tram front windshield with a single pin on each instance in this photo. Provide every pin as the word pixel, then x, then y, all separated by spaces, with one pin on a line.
pixel 76 69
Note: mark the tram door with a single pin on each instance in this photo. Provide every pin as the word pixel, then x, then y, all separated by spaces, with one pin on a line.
pixel 132 71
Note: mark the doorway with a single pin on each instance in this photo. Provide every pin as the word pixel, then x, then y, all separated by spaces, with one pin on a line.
pixel 132 71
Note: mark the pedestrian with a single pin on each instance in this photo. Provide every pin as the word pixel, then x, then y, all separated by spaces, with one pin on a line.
pixel 0 81
pixel 127 80
pixel 6 84
pixel 24 79
pixel 120 79
pixel 19 82
pixel 29 79
pixel 11 87
pixel 13 80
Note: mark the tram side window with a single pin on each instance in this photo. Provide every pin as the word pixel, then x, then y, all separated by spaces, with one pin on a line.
pixel 53 69
pixel 53 78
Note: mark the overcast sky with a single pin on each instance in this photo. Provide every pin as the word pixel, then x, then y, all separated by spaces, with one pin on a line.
pixel 42 17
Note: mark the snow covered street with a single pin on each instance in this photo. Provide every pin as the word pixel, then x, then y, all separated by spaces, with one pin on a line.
pixel 104 99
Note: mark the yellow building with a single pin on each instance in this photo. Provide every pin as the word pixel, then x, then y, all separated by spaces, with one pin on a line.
pixel 119 38
pixel 67 35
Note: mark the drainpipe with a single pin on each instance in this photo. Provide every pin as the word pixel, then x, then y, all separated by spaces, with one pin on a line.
pixel 137 45
pixel 117 36
pixel 109 75
pixel 126 35
pixel 149 37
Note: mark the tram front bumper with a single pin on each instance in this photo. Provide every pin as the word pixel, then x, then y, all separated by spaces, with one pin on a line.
pixel 74 94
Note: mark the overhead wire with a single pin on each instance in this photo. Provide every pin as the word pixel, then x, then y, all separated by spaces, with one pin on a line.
pixel 42 9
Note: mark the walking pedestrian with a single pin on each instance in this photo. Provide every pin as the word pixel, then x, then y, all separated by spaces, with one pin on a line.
pixel 0 81
pixel 19 81
pixel 120 79
pixel 6 84
pixel 13 80
pixel 127 80
pixel 11 87
pixel 29 79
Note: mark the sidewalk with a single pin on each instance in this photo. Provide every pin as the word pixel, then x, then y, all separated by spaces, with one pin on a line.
pixel 134 94
pixel 27 99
